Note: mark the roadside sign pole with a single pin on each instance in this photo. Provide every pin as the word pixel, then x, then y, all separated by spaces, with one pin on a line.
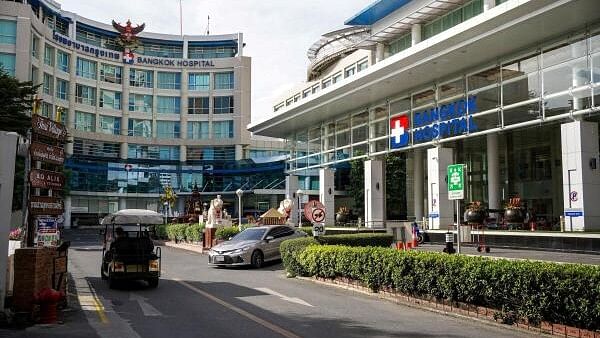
pixel 458 226
pixel 456 192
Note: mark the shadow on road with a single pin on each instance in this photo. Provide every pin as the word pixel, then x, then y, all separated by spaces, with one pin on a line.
pixel 175 298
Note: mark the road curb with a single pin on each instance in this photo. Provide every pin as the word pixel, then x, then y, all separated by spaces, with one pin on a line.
pixel 182 246
pixel 421 304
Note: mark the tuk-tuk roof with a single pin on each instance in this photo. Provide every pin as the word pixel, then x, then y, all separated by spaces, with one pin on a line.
pixel 134 216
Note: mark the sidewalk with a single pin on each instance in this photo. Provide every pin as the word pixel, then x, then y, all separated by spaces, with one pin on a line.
pixel 549 256
pixel 183 246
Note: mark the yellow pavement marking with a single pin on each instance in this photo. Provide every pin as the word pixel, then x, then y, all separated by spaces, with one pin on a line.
pixel 244 313
pixel 91 302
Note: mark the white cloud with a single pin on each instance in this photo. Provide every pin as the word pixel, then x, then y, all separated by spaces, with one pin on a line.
pixel 277 32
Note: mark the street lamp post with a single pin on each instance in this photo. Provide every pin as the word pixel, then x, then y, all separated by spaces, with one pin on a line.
pixel 300 193
pixel 239 194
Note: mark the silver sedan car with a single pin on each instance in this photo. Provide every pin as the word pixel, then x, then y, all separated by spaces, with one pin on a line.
pixel 252 246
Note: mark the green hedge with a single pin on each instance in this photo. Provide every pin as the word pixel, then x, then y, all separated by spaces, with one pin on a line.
pixel 226 232
pixel 560 293
pixel 160 231
pixel 184 232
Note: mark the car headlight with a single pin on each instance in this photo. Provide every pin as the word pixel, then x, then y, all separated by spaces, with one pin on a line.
pixel 240 250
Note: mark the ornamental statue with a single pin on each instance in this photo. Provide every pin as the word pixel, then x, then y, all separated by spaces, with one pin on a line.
pixel 128 37
pixel 215 213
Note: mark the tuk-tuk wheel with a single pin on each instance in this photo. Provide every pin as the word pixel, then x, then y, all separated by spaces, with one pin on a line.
pixel 102 274
pixel 152 282
pixel 112 283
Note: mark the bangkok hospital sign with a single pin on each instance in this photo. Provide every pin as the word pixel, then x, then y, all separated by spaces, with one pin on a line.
pixel 128 58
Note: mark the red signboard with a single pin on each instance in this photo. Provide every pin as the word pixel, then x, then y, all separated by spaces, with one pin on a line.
pixel 311 207
pixel 45 153
pixel 43 205
pixel 46 179
pixel 49 128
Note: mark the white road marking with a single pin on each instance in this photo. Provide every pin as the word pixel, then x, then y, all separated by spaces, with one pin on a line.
pixel 283 297
pixel 256 319
pixel 147 309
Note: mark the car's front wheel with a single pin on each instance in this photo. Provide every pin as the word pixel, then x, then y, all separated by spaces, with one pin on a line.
pixel 257 259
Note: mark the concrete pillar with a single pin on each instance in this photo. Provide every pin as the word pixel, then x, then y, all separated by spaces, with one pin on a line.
pixel 415 34
pixel 418 183
pixel 67 213
pixel 71 109
pixel 375 193
pixel 125 103
pixel 123 150
pixel 182 154
pixel 291 186
pixel 8 152
pixel 581 175
pixel 379 52
pixel 488 4
pixel 239 152
pixel 181 204
pixel 441 212
pixel 326 193
pixel 493 171
pixel 122 203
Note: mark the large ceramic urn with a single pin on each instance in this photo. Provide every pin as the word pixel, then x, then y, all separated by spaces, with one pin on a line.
pixel 514 215
pixel 475 216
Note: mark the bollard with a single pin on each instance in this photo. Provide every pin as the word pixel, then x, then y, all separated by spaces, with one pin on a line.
pixel 449 249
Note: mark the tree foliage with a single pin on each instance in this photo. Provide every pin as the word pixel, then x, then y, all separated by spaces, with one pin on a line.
pixel 16 101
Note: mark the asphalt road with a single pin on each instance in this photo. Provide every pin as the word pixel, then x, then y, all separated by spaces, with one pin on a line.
pixel 194 300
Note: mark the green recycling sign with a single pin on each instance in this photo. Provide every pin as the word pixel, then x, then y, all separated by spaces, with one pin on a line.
pixel 456 182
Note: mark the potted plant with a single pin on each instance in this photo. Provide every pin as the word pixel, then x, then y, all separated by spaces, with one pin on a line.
pixel 513 211
pixel 475 213
pixel 342 215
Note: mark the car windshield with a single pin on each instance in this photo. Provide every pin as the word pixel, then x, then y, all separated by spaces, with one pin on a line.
pixel 251 234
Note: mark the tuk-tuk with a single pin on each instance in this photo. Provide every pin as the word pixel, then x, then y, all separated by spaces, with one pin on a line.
pixel 128 252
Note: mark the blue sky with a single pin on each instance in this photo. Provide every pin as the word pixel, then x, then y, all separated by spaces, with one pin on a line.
pixel 277 32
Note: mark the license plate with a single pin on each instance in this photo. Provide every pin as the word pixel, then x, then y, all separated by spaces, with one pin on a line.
pixel 219 259
pixel 134 268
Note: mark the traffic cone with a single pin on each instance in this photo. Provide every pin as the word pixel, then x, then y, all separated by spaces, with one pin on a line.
pixel 415 242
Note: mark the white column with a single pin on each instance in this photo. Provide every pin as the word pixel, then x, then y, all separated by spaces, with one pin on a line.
pixel 441 210
pixel 326 194
pixel 415 34
pixel 493 171
pixel 123 150
pixel 375 193
pixel 379 52
pixel 122 203
pixel 418 183
pixel 8 152
pixel 71 109
pixel 67 213
pixel 581 182
pixel 291 186
pixel 488 4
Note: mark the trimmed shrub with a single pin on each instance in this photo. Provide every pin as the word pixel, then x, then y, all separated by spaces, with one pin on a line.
pixel 226 232
pixel 160 231
pixel 193 232
pixel 367 239
pixel 176 232
pixel 290 250
pixel 566 294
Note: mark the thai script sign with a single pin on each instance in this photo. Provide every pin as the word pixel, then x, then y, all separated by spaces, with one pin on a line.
pixel 45 153
pixel 85 48
pixel 49 237
pixel 445 121
pixel 49 128
pixel 46 179
pixel 44 205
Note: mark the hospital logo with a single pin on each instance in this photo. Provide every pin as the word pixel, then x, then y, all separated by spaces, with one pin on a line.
pixel 128 56
pixel 399 136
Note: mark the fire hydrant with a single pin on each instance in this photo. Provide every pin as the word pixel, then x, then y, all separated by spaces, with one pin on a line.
pixel 48 300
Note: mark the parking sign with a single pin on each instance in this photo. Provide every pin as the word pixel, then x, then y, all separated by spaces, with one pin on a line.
pixel 456 187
